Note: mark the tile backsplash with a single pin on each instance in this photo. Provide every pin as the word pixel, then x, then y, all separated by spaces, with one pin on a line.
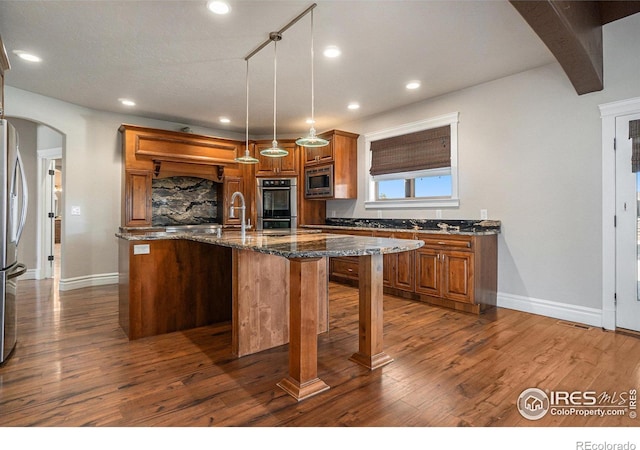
pixel 184 201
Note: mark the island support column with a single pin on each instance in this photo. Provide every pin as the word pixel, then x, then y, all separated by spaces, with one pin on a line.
pixel 370 334
pixel 303 381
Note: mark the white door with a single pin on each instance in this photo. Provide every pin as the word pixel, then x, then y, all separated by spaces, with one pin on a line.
pixel 627 230
pixel 49 210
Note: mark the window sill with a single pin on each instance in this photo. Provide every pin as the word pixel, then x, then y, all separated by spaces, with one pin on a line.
pixel 422 203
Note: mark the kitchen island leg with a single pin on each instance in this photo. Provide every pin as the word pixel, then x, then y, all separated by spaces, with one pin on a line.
pixel 303 381
pixel 370 334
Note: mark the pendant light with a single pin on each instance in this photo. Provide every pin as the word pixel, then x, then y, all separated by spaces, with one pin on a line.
pixel 274 151
pixel 247 158
pixel 312 140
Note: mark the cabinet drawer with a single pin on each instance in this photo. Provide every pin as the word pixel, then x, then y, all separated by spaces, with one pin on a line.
pixel 345 267
pixel 453 242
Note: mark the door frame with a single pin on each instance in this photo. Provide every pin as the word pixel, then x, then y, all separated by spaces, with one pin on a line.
pixel 608 113
pixel 44 239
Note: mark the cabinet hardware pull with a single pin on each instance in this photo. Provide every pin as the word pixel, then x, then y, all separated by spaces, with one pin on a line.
pixel 441 243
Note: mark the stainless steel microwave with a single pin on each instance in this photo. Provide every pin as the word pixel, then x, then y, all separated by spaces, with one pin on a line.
pixel 318 182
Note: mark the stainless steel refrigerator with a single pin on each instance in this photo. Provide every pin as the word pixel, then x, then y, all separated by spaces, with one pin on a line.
pixel 13 215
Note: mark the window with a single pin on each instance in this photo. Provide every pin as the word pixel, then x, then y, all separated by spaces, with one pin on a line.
pixel 415 165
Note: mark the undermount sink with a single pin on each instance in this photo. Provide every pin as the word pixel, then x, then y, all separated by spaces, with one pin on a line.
pixel 202 228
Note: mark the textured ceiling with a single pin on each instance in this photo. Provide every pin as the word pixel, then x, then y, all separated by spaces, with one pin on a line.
pixel 181 63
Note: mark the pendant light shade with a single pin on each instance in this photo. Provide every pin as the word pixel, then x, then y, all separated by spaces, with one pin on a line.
pixel 274 151
pixel 247 158
pixel 312 140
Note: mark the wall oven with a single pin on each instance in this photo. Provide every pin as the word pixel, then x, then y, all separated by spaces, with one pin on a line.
pixel 318 182
pixel 276 203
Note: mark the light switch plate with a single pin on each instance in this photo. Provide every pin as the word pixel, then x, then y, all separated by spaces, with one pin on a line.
pixel 141 249
pixel 75 210
pixel 483 214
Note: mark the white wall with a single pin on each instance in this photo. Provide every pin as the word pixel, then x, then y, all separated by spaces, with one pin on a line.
pixel 529 153
pixel 48 138
pixel 92 165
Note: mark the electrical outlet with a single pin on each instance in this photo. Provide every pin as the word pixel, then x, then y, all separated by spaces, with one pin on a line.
pixel 75 210
pixel 141 249
pixel 438 214
pixel 483 214
pixel 379 214
pixel 333 213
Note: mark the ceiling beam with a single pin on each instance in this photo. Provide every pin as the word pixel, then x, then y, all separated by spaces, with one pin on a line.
pixel 614 10
pixel 572 30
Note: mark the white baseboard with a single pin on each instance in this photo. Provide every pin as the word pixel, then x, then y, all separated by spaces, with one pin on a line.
pixel 562 311
pixel 102 279
pixel 31 274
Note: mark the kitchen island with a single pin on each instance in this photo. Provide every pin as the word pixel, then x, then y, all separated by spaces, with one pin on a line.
pixel 269 273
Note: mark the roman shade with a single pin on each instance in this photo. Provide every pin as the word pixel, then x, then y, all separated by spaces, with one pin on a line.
pixel 634 135
pixel 422 150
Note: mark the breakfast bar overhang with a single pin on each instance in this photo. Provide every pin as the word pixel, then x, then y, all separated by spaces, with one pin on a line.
pixel 305 254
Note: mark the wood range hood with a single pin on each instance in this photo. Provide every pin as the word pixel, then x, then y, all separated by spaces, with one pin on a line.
pixel 178 154
pixel 572 30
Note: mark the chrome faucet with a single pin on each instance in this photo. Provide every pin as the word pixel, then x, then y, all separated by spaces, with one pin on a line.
pixel 242 208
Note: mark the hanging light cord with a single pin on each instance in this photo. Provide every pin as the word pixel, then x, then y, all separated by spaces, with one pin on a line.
pixel 313 122
pixel 246 149
pixel 275 84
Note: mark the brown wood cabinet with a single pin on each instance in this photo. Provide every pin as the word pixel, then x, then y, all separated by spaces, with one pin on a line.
pixel 342 153
pixel 398 268
pixel 137 198
pixel 455 271
pixel 445 273
pixel 285 166
pixel 150 153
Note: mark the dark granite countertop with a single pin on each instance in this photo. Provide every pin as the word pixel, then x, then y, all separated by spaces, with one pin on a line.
pixel 297 244
pixel 427 226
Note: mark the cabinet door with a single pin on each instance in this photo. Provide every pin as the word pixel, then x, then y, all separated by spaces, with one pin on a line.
pixel 388 266
pixel 458 275
pixel 288 165
pixel 344 267
pixel 428 271
pixel 137 198
pixel 319 155
pixel 404 271
pixel 229 186
pixel 273 167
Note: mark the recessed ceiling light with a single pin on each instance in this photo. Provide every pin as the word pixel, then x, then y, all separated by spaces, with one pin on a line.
pixel 225 120
pixel 127 102
pixel 332 51
pixel 353 105
pixel 27 56
pixel 413 85
pixel 218 7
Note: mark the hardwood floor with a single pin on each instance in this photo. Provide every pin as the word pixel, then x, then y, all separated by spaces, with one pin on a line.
pixel 73 366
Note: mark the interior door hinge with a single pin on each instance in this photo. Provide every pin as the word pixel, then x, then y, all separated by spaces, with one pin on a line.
pixel 50 257
pixel 52 172
pixel 51 215
pixel 615 298
pixel 615 221
pixel 614 144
